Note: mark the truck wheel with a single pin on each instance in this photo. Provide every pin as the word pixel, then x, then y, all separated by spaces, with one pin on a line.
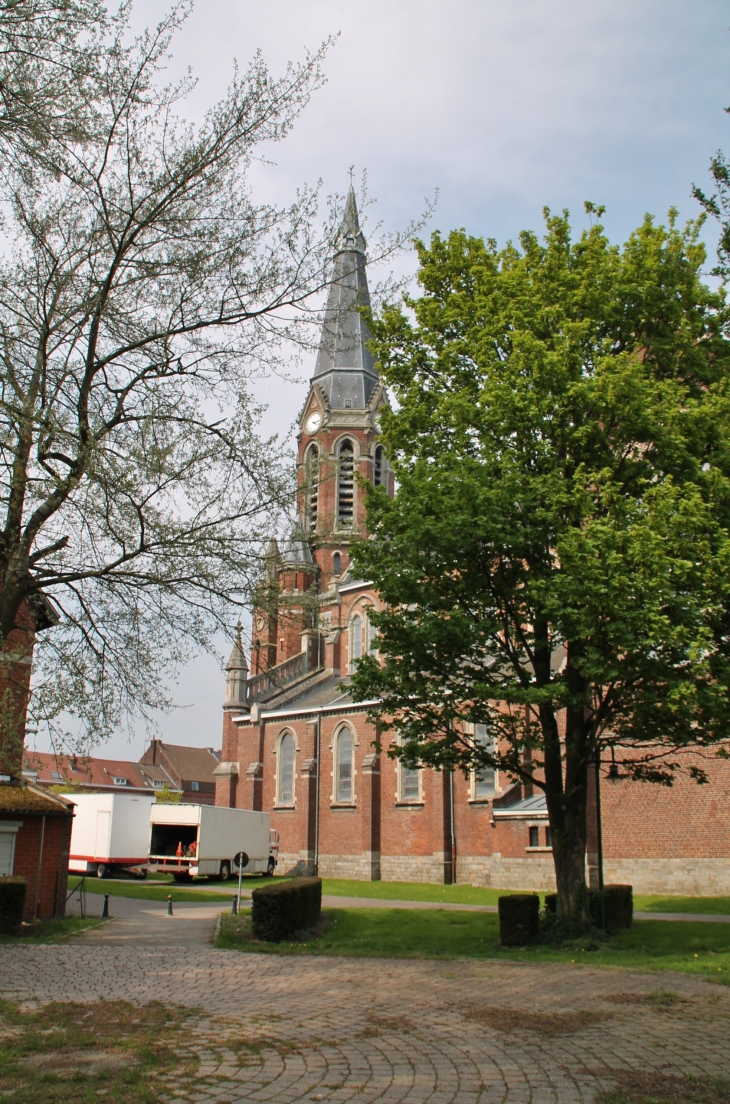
pixel 102 870
pixel 271 867
pixel 182 879
pixel 225 871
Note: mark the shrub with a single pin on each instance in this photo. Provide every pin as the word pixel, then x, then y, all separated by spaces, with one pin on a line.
pixel 282 908
pixel 519 919
pixel 551 903
pixel 12 903
pixel 619 906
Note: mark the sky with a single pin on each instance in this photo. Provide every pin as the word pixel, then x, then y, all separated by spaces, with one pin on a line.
pixel 503 108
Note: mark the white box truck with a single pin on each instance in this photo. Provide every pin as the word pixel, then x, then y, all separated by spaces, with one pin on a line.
pixel 186 840
pixel 110 832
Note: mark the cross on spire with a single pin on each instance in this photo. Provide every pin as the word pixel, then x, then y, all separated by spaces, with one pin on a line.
pixel 351 171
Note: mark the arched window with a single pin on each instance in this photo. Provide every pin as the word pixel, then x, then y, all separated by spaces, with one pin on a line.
pixel 343 765
pixel 285 787
pixel 379 467
pixel 346 483
pixel 410 783
pixel 484 779
pixel 336 563
pixel 372 633
pixel 355 640
pixel 311 482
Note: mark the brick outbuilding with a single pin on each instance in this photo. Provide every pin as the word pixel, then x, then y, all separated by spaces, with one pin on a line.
pixel 35 840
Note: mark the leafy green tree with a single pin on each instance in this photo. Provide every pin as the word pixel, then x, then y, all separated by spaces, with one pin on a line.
pixel 555 560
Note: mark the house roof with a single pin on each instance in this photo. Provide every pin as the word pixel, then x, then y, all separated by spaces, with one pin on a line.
pixel 23 797
pixel 524 809
pixel 88 771
pixel 188 763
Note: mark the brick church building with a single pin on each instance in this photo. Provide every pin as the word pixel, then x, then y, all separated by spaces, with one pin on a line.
pixel 295 744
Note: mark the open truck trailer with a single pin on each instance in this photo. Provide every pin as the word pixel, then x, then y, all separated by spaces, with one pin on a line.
pixel 189 840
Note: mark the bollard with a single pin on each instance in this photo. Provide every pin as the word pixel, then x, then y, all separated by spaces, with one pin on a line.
pixel 105 910
pixel 234 910
pixel 169 906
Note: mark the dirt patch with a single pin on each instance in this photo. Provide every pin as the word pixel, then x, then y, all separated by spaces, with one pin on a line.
pixel 549 1025
pixel 661 999
pixel 657 1088
pixel 61 1053
pixel 387 1025
pixel 69 1062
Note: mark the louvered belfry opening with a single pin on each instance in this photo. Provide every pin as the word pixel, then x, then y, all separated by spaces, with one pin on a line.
pixel 311 475
pixel 346 484
pixel 378 472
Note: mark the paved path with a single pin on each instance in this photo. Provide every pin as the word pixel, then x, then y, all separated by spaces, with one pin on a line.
pixel 279 1029
pixel 134 921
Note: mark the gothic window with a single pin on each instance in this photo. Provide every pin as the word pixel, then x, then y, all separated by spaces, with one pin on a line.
pixel 336 563
pixel 311 481
pixel 355 640
pixel 379 467
pixel 343 766
pixel 372 633
pixel 346 483
pixel 285 773
pixel 410 783
pixel 484 779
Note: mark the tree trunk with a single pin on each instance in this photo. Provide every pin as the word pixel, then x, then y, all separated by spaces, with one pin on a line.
pixel 567 813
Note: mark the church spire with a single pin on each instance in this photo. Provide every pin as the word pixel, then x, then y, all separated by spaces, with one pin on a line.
pixel 345 369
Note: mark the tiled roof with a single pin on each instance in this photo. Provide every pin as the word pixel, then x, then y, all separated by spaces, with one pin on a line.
pixel 188 763
pixel 18 797
pixel 84 770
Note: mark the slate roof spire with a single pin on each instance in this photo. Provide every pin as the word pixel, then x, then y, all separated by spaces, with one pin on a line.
pixel 345 369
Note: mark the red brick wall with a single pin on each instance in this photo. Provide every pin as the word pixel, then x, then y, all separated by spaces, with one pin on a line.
pixel 54 862
pixel 643 820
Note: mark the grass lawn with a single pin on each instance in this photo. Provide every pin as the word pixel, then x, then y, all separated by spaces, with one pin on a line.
pixel 385 933
pixel 481 895
pixel 111 1048
pixel 162 885
pixel 51 931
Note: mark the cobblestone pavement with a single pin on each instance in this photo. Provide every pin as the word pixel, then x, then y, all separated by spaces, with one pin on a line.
pixel 287 1029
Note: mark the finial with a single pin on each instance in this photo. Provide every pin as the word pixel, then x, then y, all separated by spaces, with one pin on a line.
pixel 351 171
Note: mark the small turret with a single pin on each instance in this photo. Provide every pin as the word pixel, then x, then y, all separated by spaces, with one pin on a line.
pixel 236 673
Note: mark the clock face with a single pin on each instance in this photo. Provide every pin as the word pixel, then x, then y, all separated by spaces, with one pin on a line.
pixel 313 422
pixel 259 623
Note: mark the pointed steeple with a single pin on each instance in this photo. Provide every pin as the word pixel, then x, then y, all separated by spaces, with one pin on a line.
pixel 345 369
pixel 236 672
pixel 298 553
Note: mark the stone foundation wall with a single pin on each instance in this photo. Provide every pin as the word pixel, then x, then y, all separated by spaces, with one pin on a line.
pixel 361 867
pixel 534 873
pixel 298 865
pixel 690 877
pixel 412 868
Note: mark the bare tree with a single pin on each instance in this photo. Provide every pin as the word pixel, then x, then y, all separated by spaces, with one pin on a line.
pixel 49 70
pixel 140 285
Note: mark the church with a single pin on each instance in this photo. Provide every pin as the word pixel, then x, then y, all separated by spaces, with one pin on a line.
pixel 297 746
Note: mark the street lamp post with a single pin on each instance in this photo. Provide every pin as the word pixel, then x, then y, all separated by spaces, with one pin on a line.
pixel 599 832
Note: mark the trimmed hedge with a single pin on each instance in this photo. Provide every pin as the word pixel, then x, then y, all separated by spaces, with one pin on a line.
pixel 12 903
pixel 519 919
pixel 282 908
pixel 619 906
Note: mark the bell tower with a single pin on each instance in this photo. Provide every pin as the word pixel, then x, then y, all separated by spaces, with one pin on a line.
pixel 338 424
